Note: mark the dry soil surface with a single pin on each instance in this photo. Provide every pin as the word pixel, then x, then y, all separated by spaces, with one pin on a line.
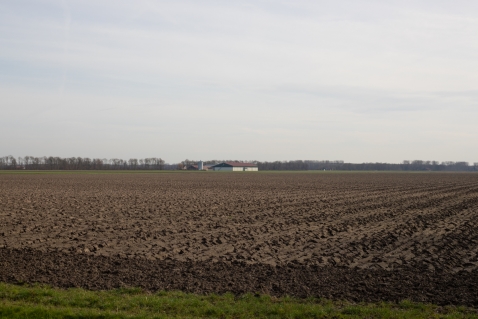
pixel 358 236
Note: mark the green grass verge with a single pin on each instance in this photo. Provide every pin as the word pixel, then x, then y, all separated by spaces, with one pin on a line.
pixel 39 301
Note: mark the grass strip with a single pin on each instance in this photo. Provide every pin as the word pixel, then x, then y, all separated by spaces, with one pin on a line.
pixel 40 301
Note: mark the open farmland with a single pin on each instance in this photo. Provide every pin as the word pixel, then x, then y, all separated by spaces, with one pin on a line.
pixel 356 236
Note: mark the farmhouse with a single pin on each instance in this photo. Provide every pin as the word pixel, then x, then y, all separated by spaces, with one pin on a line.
pixel 235 167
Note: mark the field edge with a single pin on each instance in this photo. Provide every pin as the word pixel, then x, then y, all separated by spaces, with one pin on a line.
pixel 43 301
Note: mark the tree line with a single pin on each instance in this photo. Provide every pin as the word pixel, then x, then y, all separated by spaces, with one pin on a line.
pixel 80 163
pixel 155 163
pixel 416 165
pixel 339 165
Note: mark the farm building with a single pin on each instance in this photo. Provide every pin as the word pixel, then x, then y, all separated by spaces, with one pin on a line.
pixel 195 167
pixel 198 167
pixel 235 167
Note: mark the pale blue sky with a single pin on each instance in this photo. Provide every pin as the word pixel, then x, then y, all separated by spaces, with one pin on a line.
pixel 358 81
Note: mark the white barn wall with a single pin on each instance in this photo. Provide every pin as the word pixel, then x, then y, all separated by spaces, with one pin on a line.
pixel 244 169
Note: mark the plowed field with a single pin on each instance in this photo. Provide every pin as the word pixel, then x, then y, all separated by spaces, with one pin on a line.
pixel 359 236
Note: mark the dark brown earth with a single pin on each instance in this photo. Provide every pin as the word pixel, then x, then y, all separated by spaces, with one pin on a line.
pixel 357 236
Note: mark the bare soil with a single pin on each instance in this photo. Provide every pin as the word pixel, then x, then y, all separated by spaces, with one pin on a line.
pixel 357 236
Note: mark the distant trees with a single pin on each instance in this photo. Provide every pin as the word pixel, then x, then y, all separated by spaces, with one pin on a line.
pixel 155 163
pixel 79 163
pixel 285 165
pixel 416 165
pixel 186 163
pixel 8 162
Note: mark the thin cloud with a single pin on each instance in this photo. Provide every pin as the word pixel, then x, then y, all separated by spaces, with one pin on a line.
pixel 283 79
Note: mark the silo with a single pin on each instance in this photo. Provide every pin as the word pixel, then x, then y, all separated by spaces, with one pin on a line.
pixel 200 165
